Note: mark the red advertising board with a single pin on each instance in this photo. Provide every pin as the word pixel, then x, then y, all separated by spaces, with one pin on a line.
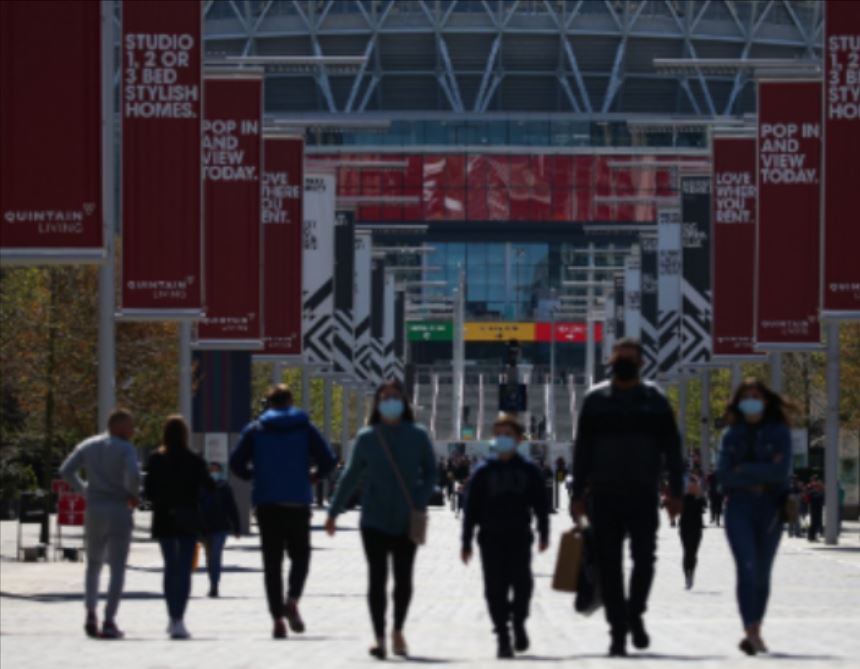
pixel 161 95
pixel 841 223
pixel 733 249
pixel 232 162
pixel 71 510
pixel 283 182
pixel 567 333
pixel 788 181
pixel 50 131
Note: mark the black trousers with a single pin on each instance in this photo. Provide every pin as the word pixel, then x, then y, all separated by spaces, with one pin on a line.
pixel 378 546
pixel 284 528
pixel 614 518
pixel 690 540
pixel 507 567
pixel 816 520
pixel 716 504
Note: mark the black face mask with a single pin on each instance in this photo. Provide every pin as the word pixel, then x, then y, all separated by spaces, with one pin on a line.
pixel 624 369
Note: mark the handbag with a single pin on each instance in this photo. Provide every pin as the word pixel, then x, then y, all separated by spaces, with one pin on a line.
pixel 417 519
pixel 568 562
pixel 588 593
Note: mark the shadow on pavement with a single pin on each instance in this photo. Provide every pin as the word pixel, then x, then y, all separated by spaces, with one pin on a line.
pixel 801 657
pixel 54 597
pixel 837 549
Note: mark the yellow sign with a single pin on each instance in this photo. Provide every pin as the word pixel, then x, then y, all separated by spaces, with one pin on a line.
pixel 502 332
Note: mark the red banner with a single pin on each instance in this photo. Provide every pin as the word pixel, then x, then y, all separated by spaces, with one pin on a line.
pixel 733 248
pixel 841 224
pixel 161 177
pixel 50 130
pixel 71 510
pixel 789 164
pixel 283 181
pixel 232 157
pixel 567 333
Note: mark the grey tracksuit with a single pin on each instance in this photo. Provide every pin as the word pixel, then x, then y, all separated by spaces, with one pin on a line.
pixel 112 477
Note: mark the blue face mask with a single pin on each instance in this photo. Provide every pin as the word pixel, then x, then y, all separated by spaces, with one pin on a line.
pixel 751 406
pixel 391 409
pixel 504 444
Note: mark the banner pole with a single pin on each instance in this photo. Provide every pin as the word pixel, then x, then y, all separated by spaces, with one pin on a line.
pixel 185 369
pixel 682 413
pixel 705 448
pixel 776 378
pixel 306 388
pixel 107 296
pixel 327 412
pixel 737 375
pixel 831 440
pixel 344 418
pixel 277 373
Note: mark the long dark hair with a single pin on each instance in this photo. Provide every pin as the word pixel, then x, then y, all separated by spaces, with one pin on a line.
pixel 376 418
pixel 175 435
pixel 776 408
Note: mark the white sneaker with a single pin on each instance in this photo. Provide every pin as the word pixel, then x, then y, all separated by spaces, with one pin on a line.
pixel 178 631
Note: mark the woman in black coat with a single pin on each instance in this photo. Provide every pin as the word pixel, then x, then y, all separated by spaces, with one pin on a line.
pixel 175 480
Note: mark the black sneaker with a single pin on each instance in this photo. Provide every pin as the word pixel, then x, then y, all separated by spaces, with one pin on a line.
pixel 521 638
pixel 91 626
pixel 280 629
pixel 641 640
pixel 688 579
pixel 291 611
pixel 111 631
pixel 213 591
pixel 618 647
pixel 505 651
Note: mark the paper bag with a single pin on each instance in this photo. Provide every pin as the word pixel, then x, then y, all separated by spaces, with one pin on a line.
pixel 569 560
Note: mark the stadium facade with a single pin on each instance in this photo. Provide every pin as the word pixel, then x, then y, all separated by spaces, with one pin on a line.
pixel 510 120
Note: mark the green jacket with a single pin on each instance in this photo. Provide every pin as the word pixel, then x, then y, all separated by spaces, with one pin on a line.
pixel 383 505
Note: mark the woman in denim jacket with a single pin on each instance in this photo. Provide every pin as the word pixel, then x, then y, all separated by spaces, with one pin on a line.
pixel 754 474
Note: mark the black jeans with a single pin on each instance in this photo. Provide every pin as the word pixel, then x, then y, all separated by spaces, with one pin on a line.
pixel 507 567
pixel 690 540
pixel 377 547
pixel 178 554
pixel 284 528
pixel 614 518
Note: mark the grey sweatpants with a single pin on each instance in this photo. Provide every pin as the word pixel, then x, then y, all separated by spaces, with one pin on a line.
pixel 108 532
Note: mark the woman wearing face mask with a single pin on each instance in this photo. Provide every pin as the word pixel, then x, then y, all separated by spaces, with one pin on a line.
pixel 754 472
pixel 393 457
pixel 503 495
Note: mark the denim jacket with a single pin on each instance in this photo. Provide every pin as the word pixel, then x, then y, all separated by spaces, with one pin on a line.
pixel 740 471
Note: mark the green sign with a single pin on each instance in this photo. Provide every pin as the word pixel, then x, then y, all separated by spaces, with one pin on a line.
pixel 429 330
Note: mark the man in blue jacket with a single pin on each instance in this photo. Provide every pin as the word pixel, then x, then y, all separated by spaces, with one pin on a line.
pixel 277 451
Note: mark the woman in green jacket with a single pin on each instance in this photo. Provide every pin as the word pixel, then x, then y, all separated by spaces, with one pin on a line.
pixel 392 456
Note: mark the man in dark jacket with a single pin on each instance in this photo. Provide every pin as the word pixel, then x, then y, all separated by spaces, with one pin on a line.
pixel 503 495
pixel 626 437
pixel 277 451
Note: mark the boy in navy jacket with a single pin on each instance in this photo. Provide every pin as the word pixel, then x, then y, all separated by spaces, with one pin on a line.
pixel 503 496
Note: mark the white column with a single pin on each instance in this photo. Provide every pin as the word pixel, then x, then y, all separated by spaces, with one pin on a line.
pixel 185 369
pixel 831 437
pixel 550 419
pixel 459 358
pixel 589 321
pixel 107 335
pixel 277 373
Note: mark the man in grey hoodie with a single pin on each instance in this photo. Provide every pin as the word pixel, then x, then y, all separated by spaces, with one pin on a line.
pixel 111 491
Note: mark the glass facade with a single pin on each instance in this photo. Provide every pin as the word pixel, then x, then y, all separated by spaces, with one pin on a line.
pixel 548 132
pixel 510 281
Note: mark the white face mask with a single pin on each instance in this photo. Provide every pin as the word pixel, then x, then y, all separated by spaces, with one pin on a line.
pixel 504 444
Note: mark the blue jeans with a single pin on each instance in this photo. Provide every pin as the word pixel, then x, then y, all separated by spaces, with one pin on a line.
pixel 214 552
pixel 753 528
pixel 178 554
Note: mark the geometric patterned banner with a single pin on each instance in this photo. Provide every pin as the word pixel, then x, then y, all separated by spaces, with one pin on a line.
pixel 696 277
pixel 669 293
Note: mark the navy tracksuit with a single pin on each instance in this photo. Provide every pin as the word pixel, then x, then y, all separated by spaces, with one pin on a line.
pixel 502 498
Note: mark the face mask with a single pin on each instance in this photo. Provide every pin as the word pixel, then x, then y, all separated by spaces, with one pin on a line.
pixel 391 409
pixel 624 369
pixel 504 444
pixel 751 406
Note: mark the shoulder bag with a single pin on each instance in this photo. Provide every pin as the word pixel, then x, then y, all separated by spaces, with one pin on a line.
pixel 417 519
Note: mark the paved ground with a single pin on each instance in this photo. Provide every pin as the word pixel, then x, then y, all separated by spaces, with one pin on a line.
pixel 813 621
